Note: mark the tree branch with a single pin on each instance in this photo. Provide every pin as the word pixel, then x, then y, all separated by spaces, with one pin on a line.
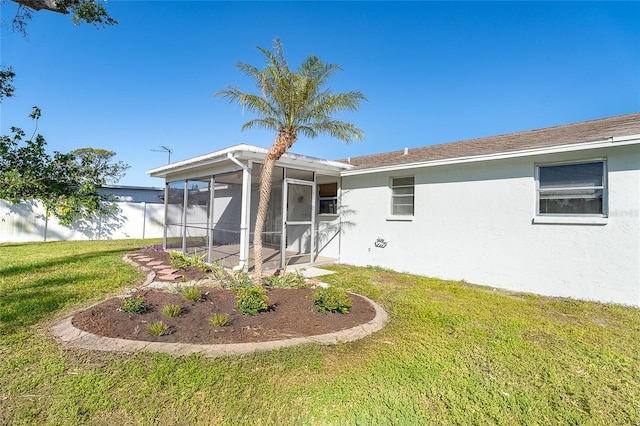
pixel 36 5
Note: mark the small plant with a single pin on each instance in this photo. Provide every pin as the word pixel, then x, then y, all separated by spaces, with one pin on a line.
pixel 171 310
pixel 218 272
pixel 133 305
pixel 158 328
pixel 332 299
pixel 240 280
pixel 178 259
pixel 155 247
pixel 286 280
pixel 218 320
pixel 191 294
pixel 251 300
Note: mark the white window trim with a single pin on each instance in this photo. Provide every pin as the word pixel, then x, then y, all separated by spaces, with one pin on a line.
pixel 401 217
pixel 577 219
pixel 570 220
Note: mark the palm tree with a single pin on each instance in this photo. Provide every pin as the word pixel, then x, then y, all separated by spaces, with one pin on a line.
pixel 290 103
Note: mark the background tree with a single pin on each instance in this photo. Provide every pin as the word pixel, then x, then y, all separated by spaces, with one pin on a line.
pixel 92 169
pixel 81 11
pixel 6 82
pixel 68 185
pixel 290 103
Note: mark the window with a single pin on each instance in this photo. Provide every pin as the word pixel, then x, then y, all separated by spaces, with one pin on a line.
pixel 572 189
pixel 402 196
pixel 328 198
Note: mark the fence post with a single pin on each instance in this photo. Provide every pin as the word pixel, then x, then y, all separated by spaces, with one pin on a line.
pixel 144 218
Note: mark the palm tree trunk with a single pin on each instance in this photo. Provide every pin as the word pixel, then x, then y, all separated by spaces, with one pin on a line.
pixel 263 205
pixel 283 142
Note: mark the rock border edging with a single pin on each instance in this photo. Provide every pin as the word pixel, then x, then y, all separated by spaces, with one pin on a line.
pixel 74 338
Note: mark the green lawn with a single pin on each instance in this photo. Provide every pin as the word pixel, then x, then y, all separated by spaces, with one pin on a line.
pixel 452 353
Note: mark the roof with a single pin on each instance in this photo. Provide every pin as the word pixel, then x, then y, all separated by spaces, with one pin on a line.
pixel 586 131
pixel 225 160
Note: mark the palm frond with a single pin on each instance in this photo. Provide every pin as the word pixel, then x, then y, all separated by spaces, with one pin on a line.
pixel 296 101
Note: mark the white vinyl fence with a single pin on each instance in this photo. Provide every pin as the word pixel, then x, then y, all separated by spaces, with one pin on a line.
pixel 28 222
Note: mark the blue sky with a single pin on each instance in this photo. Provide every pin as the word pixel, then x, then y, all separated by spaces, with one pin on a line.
pixel 433 72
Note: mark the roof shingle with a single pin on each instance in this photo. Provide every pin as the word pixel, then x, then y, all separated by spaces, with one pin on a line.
pixel 586 131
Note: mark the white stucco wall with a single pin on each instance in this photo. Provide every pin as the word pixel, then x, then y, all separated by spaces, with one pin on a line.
pixel 328 236
pixel 327 225
pixel 474 222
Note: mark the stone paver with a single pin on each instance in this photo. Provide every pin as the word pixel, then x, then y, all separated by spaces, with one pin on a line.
pixel 169 277
pixel 145 259
pixel 155 263
pixel 167 271
pixel 160 267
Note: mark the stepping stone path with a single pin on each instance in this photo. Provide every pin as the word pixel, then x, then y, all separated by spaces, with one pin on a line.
pixel 164 271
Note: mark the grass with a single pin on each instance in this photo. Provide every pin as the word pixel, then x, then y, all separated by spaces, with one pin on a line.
pixel 452 353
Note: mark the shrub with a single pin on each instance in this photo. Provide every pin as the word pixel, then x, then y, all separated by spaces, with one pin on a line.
pixel 158 329
pixel 133 305
pixel 171 310
pixel 332 299
pixel 191 294
pixel 252 300
pixel 218 320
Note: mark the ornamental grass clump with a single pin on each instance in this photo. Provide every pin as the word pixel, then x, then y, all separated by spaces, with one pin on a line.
pixel 172 310
pixel 218 320
pixel 332 299
pixel 191 294
pixel 252 300
pixel 133 305
pixel 158 329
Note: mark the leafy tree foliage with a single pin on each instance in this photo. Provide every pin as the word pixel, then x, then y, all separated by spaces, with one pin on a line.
pixel 68 185
pixel 81 11
pixel 290 102
pixel 6 82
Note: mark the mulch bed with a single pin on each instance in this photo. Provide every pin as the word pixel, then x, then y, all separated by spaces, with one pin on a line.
pixel 291 314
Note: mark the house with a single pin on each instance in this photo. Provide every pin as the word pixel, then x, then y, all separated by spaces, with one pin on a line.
pixel 554 211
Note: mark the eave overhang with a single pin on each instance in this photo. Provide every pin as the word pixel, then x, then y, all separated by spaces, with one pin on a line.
pixel 220 161
pixel 606 143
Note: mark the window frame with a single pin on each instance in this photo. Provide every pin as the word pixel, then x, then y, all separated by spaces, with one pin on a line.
pixel 572 217
pixel 333 198
pixel 393 196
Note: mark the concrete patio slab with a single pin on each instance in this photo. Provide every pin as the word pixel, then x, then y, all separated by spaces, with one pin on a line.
pixel 312 272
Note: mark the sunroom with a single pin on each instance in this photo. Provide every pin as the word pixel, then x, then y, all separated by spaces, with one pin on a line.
pixel 211 207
